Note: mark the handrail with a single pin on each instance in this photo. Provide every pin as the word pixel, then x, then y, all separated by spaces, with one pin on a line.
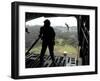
pixel 32 45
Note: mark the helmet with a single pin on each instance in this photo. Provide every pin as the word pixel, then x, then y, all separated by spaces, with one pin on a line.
pixel 47 22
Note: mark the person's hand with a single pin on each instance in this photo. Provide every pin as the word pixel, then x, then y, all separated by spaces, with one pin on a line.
pixel 41 37
pixel 53 42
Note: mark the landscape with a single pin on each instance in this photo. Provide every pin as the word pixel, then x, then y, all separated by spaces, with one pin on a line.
pixel 66 40
pixel 66 44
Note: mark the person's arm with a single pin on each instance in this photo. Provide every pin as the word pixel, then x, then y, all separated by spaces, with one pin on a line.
pixel 54 34
pixel 40 34
pixel 54 37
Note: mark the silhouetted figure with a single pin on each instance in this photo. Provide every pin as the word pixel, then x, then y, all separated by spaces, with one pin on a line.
pixel 47 35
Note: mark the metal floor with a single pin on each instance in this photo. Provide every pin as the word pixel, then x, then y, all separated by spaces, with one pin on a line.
pixel 32 61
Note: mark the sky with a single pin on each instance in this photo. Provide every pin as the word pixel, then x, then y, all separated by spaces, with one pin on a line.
pixel 55 21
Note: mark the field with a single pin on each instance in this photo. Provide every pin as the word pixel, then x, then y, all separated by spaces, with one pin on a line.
pixel 66 40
